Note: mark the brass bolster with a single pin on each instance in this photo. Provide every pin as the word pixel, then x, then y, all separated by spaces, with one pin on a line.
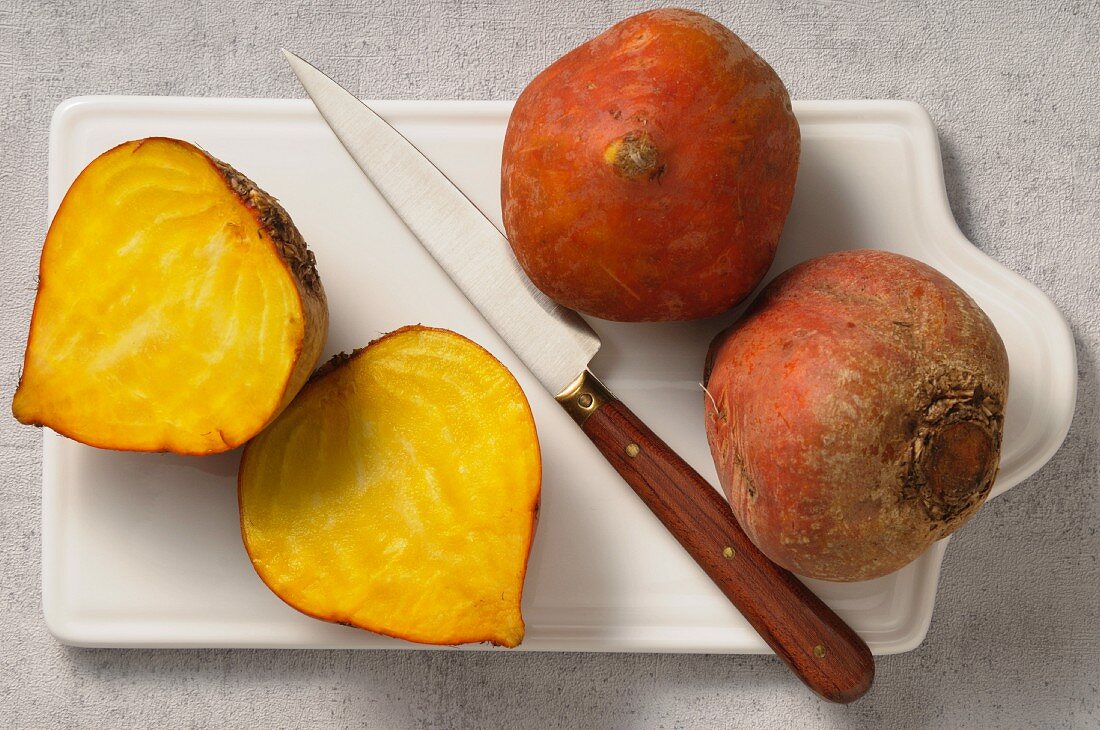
pixel 583 397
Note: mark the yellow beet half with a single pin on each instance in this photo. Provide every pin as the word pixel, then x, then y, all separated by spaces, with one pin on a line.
pixel 399 492
pixel 178 308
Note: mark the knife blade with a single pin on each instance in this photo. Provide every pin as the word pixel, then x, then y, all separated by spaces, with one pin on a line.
pixel 557 345
pixel 476 256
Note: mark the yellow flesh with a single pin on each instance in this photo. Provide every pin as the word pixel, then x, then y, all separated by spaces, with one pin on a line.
pixel 398 493
pixel 165 320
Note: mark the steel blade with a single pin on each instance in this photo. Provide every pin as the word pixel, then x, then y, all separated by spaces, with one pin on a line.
pixel 553 341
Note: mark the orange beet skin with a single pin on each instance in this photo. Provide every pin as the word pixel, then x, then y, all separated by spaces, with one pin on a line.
pixel 855 413
pixel 648 173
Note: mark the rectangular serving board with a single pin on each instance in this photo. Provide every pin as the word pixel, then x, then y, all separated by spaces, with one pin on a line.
pixel 144 550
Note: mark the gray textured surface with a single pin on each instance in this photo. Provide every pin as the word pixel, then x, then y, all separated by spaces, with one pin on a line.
pixel 1012 87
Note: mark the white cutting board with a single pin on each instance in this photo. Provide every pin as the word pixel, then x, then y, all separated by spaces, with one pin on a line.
pixel 144 549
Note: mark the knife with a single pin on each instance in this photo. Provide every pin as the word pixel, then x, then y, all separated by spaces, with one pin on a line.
pixel 556 344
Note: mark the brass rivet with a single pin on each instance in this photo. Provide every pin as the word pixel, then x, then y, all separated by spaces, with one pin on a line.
pixel 584 400
pixel 727 553
pixel 819 651
pixel 632 450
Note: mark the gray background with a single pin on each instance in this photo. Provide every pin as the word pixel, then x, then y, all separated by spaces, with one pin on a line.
pixel 1012 87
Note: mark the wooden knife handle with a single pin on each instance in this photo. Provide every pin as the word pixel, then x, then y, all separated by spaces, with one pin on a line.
pixel 814 642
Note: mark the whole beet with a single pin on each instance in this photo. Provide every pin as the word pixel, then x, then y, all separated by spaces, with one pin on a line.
pixel 855 413
pixel 648 173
